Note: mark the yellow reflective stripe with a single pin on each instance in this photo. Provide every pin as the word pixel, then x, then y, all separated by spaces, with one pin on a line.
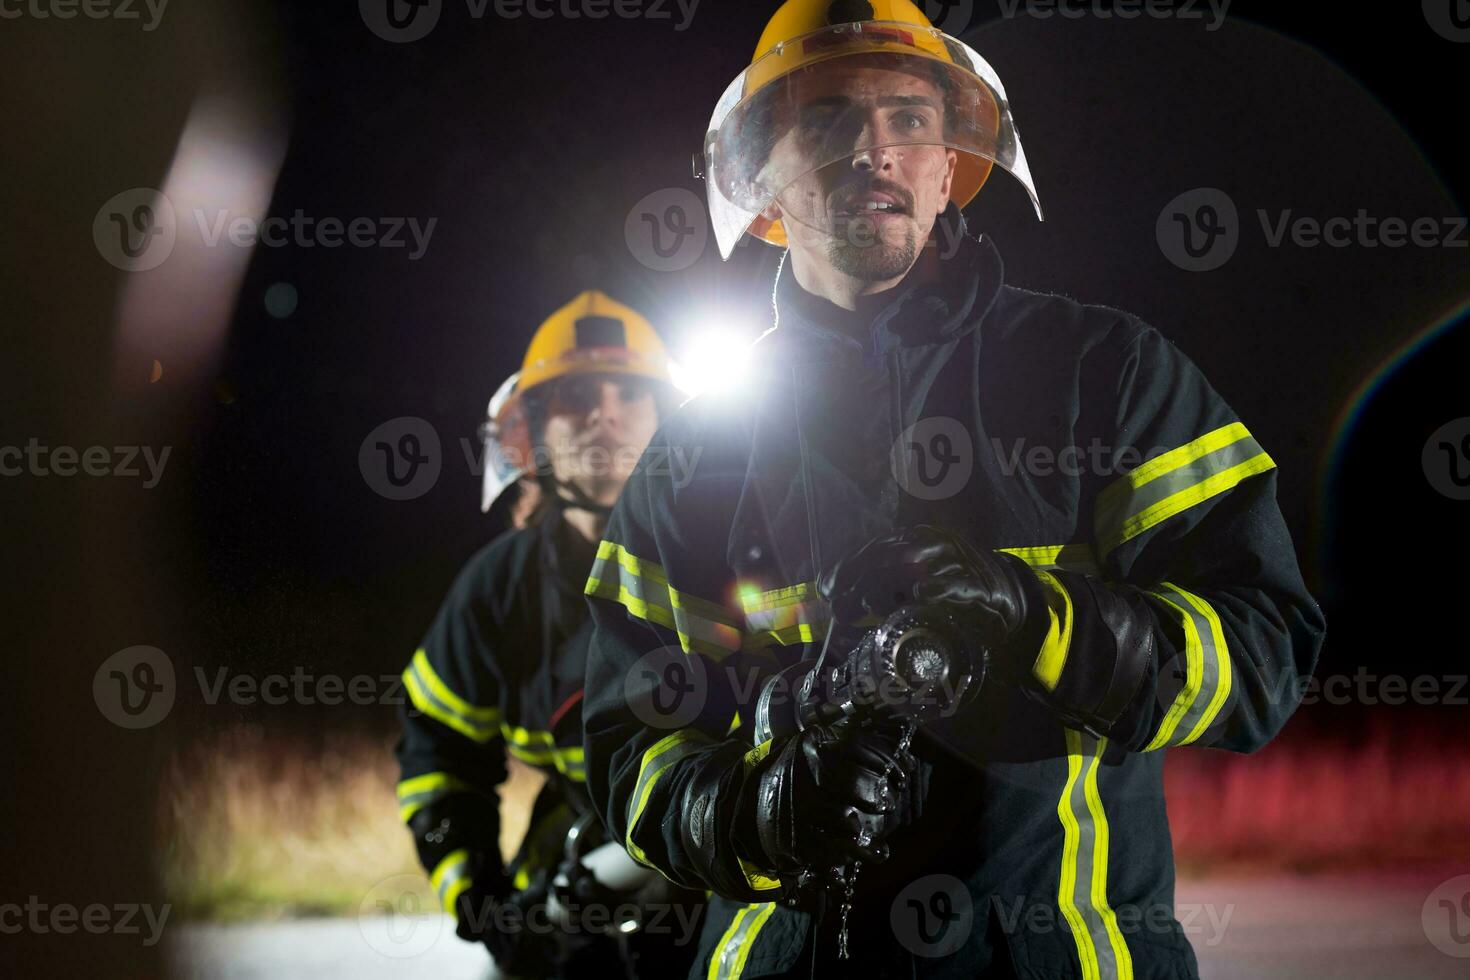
pixel 1076 557
pixel 441 691
pixel 658 758
pixel 791 614
pixel 754 601
pixel 757 878
pixel 420 791
pixel 730 956
pixel 1067 887
pixel 451 877
pixel 1172 483
pixel 524 736
pixel 1121 956
pixel 433 697
pixel 1053 656
pixel 570 761
pixel 642 587
pixel 1082 888
pixel 1207 669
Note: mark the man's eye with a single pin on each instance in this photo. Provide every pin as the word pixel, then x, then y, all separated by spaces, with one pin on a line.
pixel 818 119
pixel 631 391
pixel 910 121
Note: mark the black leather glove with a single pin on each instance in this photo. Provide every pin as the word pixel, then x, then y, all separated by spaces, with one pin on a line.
pixel 929 564
pixel 826 796
pixel 489 911
pixel 516 930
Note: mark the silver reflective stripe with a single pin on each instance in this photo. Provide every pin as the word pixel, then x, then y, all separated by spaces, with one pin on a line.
pixel 728 961
pixel 642 588
pixel 1101 951
pixel 421 692
pixel 1174 482
pixel 656 759
pixel 1207 673
pixel 451 878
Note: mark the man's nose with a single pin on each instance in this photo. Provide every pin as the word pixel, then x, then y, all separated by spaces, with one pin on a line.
pixel 870 157
pixel 608 404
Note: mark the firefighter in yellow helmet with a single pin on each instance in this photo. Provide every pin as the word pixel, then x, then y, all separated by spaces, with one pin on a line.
pixel 501 671
pixel 948 579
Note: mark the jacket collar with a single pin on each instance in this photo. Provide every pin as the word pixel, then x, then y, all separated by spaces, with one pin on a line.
pixel 917 313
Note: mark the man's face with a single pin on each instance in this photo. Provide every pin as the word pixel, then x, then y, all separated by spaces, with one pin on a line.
pixel 597 425
pixel 867 214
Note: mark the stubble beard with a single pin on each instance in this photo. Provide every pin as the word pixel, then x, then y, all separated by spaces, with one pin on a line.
pixel 873 262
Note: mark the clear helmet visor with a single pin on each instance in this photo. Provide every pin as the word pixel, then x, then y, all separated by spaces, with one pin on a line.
pixel 507 443
pixel 845 132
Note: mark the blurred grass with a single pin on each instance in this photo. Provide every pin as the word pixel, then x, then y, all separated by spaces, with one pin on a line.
pixel 259 825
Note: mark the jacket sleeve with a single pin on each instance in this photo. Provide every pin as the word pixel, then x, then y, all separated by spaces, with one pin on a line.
pixel 666 677
pixel 1198 627
pixel 450 754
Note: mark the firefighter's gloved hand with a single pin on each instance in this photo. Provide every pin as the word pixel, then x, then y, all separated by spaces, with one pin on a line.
pixel 827 796
pixel 931 564
pixel 506 922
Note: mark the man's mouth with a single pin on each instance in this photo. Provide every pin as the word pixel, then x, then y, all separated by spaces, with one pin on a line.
pixel 872 204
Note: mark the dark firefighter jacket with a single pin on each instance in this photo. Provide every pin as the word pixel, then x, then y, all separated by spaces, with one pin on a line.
pixel 501 670
pixel 1073 436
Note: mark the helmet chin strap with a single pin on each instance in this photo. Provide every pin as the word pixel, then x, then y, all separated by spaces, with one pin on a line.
pixel 579 500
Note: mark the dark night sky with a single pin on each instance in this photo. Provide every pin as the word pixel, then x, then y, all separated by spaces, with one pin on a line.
pixel 530 141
